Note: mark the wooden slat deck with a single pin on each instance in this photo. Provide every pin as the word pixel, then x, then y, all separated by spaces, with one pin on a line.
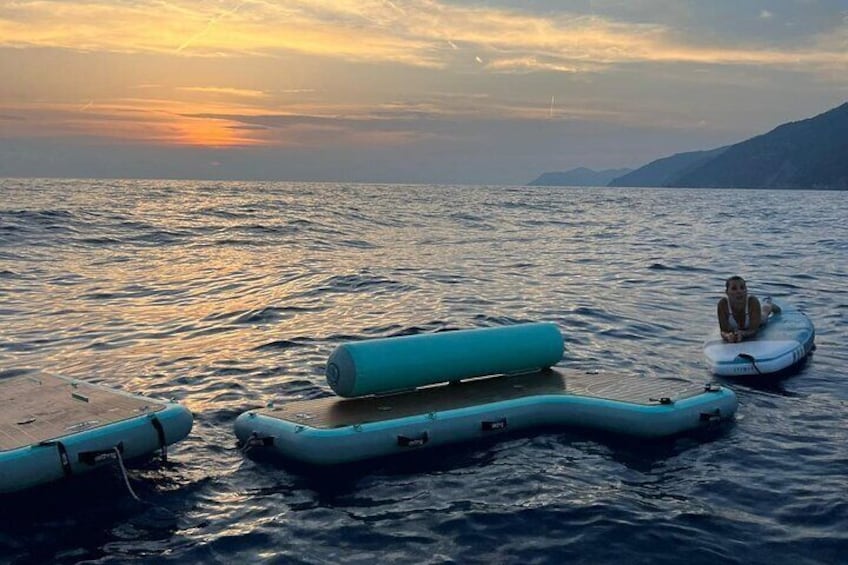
pixel 333 412
pixel 36 409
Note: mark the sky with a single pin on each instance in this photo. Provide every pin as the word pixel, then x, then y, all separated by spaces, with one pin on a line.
pixel 419 91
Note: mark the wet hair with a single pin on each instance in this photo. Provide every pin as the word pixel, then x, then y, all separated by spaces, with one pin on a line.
pixel 734 278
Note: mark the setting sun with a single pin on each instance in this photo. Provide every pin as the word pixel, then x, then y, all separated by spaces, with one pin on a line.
pixel 204 132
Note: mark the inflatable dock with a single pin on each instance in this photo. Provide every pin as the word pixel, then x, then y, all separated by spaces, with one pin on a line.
pixel 423 391
pixel 52 427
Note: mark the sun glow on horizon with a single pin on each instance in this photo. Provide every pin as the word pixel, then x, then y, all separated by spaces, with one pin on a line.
pixel 374 75
pixel 127 124
pixel 211 133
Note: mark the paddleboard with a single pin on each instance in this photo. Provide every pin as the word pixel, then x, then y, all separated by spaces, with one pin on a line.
pixel 784 342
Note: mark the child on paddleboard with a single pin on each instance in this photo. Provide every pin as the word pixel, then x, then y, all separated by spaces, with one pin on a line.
pixel 740 315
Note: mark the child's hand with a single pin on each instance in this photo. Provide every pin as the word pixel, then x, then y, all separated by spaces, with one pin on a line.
pixel 731 337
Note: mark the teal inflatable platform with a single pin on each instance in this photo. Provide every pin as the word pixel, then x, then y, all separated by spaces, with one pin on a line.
pixel 378 366
pixel 330 431
pixel 53 428
pixel 492 380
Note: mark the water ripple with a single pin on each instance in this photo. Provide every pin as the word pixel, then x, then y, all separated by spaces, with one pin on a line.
pixel 228 296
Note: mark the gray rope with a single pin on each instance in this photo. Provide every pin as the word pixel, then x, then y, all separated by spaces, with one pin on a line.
pixel 124 473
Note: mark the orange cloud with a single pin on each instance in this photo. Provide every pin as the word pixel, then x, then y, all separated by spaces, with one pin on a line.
pixel 161 123
pixel 179 50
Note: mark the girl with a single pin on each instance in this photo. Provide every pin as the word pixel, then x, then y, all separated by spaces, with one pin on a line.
pixel 740 314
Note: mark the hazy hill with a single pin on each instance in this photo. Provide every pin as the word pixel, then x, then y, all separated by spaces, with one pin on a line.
pixel 663 171
pixel 811 153
pixel 578 177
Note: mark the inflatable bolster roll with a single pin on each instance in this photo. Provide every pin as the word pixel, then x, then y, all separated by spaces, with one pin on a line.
pixel 385 365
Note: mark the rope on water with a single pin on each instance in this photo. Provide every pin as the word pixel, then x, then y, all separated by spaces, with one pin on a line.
pixel 255 440
pixel 124 473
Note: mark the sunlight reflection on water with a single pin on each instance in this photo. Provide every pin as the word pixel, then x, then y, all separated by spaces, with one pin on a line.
pixel 229 295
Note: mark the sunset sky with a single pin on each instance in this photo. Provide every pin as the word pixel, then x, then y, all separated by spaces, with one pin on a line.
pixel 445 91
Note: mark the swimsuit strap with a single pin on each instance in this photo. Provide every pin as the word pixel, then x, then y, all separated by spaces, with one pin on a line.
pixel 732 320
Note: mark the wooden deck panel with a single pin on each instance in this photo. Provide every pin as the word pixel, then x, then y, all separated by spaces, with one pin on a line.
pixel 334 412
pixel 36 409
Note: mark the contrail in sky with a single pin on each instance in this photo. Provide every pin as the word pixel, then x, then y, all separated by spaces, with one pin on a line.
pixel 209 25
pixel 551 115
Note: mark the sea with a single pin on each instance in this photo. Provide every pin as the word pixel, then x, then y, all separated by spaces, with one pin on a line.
pixel 225 296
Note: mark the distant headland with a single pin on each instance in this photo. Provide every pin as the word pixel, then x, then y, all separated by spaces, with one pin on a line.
pixel 807 154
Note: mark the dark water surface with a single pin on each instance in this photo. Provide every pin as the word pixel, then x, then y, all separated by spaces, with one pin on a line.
pixel 225 296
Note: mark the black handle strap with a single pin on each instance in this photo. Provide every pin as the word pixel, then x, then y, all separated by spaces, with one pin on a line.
pixel 160 434
pixel 493 425
pixel 405 441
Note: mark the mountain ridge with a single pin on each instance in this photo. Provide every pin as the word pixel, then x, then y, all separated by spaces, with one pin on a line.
pixel 804 154
pixel 807 153
pixel 581 176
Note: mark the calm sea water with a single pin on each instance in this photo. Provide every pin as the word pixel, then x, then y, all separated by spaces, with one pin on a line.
pixel 225 296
